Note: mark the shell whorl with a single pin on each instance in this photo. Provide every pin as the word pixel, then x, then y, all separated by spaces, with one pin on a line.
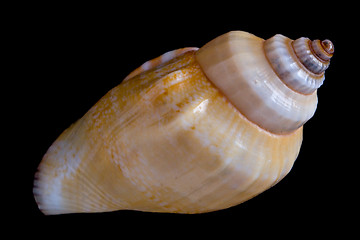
pixel 271 82
pixel 301 63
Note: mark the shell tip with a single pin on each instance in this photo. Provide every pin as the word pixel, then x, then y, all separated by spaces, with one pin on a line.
pixel 328 46
pixel 324 50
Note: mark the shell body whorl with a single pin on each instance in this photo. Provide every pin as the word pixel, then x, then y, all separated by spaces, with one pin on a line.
pixel 169 139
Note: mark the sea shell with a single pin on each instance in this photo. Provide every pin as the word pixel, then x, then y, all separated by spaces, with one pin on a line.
pixel 192 131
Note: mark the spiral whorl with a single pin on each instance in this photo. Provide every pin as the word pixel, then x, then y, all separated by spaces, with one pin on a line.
pixel 301 63
pixel 314 55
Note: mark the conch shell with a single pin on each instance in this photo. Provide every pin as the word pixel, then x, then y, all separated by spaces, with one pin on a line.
pixel 192 131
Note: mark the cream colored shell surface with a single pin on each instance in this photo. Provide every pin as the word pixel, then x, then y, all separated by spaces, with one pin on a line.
pixel 237 64
pixel 166 140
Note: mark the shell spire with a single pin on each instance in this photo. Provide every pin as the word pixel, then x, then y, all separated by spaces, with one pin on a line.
pixel 300 63
pixel 314 55
pixel 272 82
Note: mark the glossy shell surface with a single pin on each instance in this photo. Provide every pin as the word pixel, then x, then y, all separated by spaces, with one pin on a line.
pixel 165 140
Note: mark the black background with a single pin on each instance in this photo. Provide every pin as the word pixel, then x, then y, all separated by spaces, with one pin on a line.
pixel 69 56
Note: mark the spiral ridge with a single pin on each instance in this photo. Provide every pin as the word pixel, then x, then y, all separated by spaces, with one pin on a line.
pixel 300 64
pixel 310 55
